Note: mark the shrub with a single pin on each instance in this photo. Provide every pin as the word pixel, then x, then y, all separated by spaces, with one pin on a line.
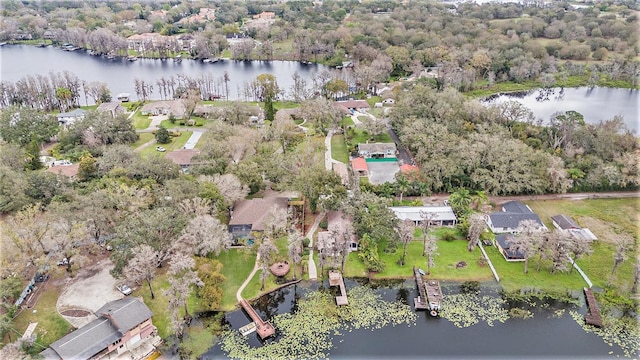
pixel 448 235
pixel 305 242
pixel 323 224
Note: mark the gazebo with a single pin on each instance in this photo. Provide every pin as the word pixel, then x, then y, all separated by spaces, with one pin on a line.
pixel 279 268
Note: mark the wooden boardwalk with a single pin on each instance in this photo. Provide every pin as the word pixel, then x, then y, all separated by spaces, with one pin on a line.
pixel 592 317
pixel 335 279
pixel 420 303
pixel 263 328
pixel 429 294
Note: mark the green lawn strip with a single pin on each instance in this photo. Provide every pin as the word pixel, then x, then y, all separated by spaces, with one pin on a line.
pixel 143 138
pixel 373 100
pixel 89 107
pixel 51 325
pixel 253 288
pixel 360 137
pixel 237 265
pixel 285 105
pixel 354 267
pixel 159 306
pixel 140 122
pixel 347 121
pixel 598 267
pixel 512 276
pixel 339 149
pixel 199 122
pixel 175 144
pixel 449 253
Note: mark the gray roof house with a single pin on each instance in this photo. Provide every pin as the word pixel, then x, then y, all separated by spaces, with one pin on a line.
pixel 508 220
pixel 564 222
pixel 502 244
pixel 114 108
pixel 122 325
pixel 68 118
pixel 165 107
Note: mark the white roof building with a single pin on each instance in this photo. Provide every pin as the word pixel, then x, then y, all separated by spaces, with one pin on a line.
pixel 439 215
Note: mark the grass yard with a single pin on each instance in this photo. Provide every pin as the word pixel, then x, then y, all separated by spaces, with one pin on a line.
pixel 361 137
pixel 143 138
pixel 175 144
pixel 237 265
pixel 373 100
pixel 51 325
pixel 159 306
pixel 140 122
pixel 339 149
pixel 347 121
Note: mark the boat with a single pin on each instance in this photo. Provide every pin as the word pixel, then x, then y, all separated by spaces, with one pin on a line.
pixel 248 329
pixel 211 60
pixel 3 43
pixel 42 45
pixel 178 58
pixel 132 58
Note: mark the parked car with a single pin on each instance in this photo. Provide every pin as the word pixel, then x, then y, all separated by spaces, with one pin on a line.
pixel 124 289
pixel 160 148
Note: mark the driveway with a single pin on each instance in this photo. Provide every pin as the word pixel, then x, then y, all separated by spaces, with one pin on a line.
pixel 92 287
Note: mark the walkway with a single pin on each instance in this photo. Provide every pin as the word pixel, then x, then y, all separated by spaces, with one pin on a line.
pixel 592 317
pixel 256 266
pixel 313 271
pixel 327 154
pixel 263 328
pixel 335 279
pixel 493 270
pixel 193 140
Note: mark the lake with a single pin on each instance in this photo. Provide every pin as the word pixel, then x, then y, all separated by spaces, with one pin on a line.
pixel 17 61
pixel 550 333
pixel 595 104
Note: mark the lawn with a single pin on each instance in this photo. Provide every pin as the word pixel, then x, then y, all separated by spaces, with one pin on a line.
pixel 175 144
pixel 339 149
pixel 167 124
pixel 361 137
pixel 143 138
pixel 140 122
pixel 347 121
pixel 51 325
pixel 237 265
pixel 608 219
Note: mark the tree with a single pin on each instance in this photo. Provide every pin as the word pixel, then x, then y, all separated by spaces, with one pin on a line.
pixel 294 248
pixel 622 243
pixel 430 249
pixel 87 169
pixel 24 241
pixel 267 90
pixel 265 254
pixel 402 184
pixel 460 201
pixel 527 241
pixel 275 222
pixel 203 234
pixel 68 232
pixel 162 136
pixel 579 246
pixel 181 278
pixel 209 271
pixel 22 125
pixel 425 224
pixel 142 267
pixel 33 153
pixel 405 233
pixel 477 226
pixel 559 246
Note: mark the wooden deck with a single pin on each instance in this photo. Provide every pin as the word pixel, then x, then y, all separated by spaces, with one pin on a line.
pixel 335 279
pixel 263 328
pixel 429 294
pixel 420 303
pixel 592 317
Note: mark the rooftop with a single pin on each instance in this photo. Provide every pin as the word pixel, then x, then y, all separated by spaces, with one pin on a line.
pixel 254 211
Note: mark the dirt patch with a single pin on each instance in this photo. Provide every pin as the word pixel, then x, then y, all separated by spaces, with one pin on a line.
pixel 76 313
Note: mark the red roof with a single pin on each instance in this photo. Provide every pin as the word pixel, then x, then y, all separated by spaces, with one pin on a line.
pixel 408 168
pixel 359 164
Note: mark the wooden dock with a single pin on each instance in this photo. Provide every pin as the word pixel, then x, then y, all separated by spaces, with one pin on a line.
pixel 335 279
pixel 420 303
pixel 429 294
pixel 592 317
pixel 263 328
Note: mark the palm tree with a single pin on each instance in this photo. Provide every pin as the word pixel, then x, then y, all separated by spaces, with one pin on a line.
pixel 460 200
pixel 402 185
pixel 479 198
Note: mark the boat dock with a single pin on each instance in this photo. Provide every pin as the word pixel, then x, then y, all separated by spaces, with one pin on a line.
pixel 335 279
pixel 429 294
pixel 592 317
pixel 263 328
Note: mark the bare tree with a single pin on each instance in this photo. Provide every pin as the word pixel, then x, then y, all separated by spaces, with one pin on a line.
pixel 430 250
pixel 26 232
pixel 68 232
pixel 265 253
pixel 622 243
pixel 528 241
pixel 559 245
pixel 275 222
pixel 476 227
pixel 579 246
pixel 405 233
pixel 142 267
pixel 203 235
pixel 230 187
pixel 295 249
pixel 181 278
pixel 425 224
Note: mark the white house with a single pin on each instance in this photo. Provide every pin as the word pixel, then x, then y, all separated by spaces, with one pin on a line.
pixel 438 215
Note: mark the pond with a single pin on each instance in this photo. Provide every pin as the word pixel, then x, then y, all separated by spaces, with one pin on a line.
pixel 550 330
pixel 595 104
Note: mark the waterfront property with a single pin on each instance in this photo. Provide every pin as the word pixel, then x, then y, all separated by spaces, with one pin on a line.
pixel 113 108
pixel 165 107
pixel 352 105
pixel 429 294
pixel 502 243
pixel 68 118
pixel 250 214
pixel 339 223
pixel 437 215
pixel 592 317
pixel 508 220
pixel 123 328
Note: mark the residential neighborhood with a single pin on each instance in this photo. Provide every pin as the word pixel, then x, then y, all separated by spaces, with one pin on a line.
pixel 319 179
